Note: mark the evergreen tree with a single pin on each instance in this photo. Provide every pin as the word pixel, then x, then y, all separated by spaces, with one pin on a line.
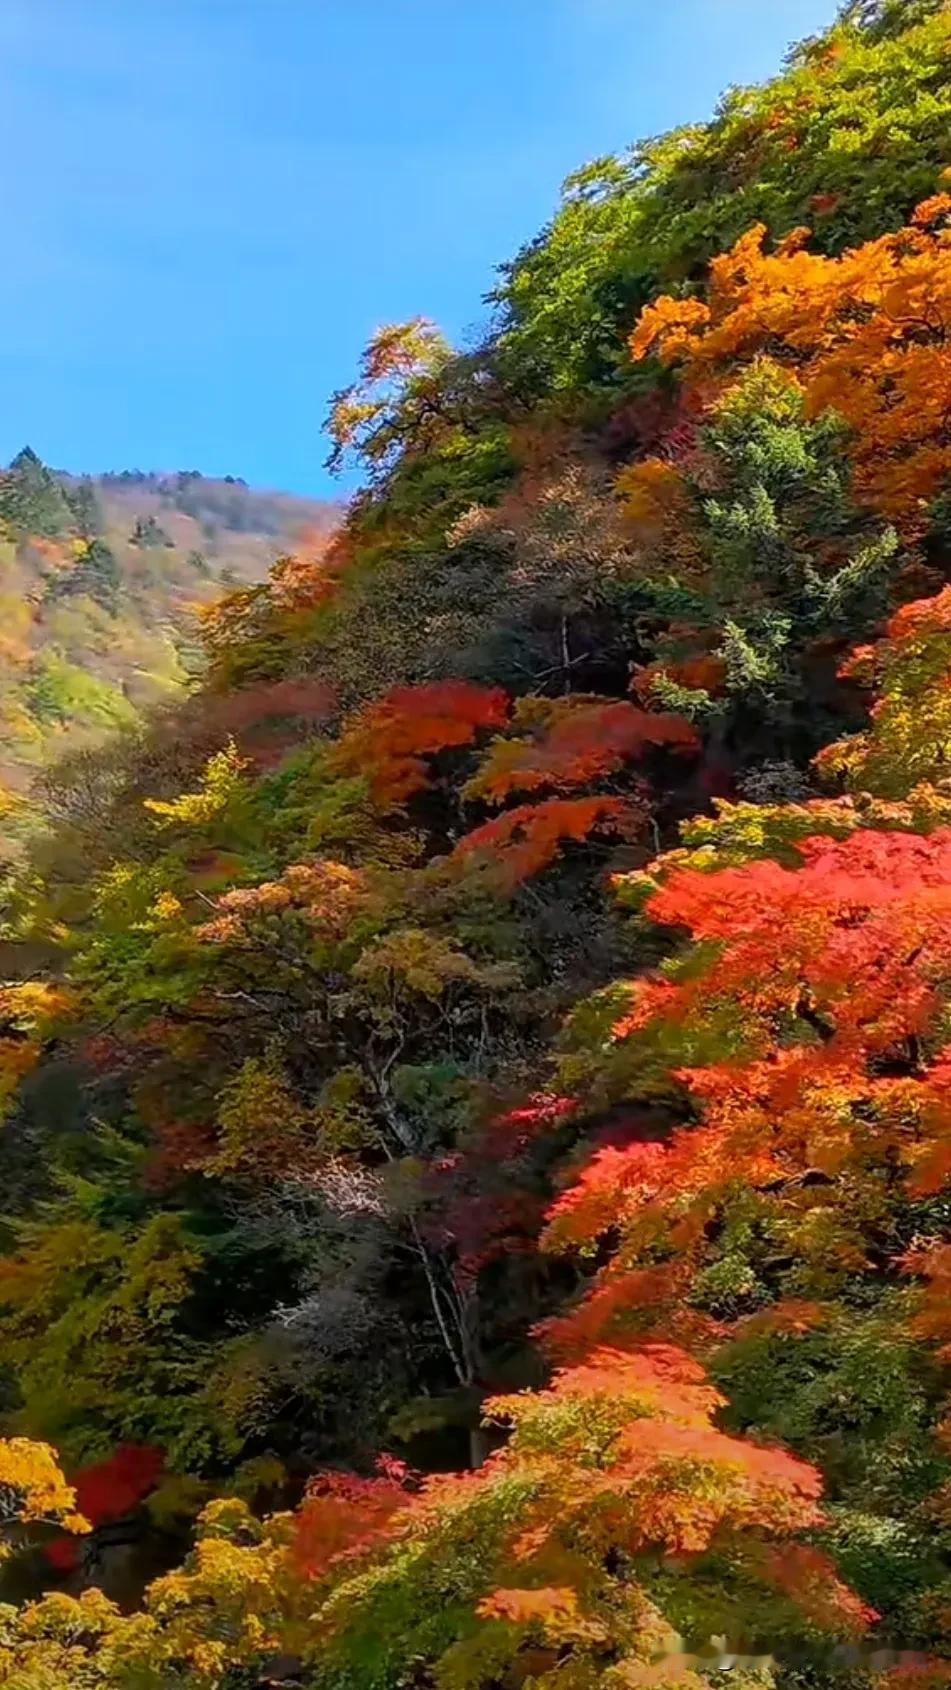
pixel 96 575
pixel 87 514
pixel 31 499
pixel 148 532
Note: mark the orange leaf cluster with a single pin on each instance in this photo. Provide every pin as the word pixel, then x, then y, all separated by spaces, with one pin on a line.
pixel 575 741
pixel 664 1478
pixel 618 1460
pixel 704 672
pixel 390 741
pixel 326 894
pixel 869 333
pixel 931 1262
pixel 523 1606
pixel 825 978
pixel 342 1516
pixel 809 1576
pixel 524 841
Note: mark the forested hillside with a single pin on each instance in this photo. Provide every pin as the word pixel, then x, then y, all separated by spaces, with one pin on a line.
pixel 477 1071
pixel 102 580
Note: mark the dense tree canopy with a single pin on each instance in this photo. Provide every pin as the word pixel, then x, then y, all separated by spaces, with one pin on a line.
pixel 476 1072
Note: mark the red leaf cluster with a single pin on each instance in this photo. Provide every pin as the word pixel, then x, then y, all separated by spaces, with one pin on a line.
pixel 824 979
pixel 391 740
pixel 343 1516
pixel 109 1490
pixel 577 742
pixel 524 841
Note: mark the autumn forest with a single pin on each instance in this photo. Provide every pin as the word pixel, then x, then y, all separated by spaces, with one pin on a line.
pixel 475 1051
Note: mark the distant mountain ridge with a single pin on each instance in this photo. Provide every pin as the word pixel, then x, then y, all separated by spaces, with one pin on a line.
pixel 225 503
pixel 100 579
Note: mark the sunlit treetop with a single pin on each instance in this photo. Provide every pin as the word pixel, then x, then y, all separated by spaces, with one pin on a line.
pixel 867 333
pixel 808 146
pixel 395 397
pixel 33 1490
pixel 582 1545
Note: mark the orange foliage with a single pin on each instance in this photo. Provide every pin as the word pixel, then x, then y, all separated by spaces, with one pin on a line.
pixel 926 1674
pixel 18 1057
pixel 343 1516
pixel 869 333
pixel 391 739
pixel 573 742
pixel 809 1576
pixel 667 1478
pixel 931 1261
pixel 639 1296
pixel 613 1178
pixel 326 894
pixel 526 840
pixel 617 1459
pixel 825 978
pixel 703 672
pixel 524 1605
pixel 793 1315
pixel 249 619
pixel 656 500
pixel 311 575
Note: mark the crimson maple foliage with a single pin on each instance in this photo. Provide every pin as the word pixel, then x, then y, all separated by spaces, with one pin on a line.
pixel 109 1490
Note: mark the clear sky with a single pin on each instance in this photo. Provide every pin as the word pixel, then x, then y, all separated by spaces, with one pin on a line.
pixel 210 204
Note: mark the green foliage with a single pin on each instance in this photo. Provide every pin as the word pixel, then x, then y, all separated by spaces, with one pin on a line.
pixel 63 693
pixel 31 499
pixel 292 961
pixel 847 140
pixel 88 516
pixel 98 629
pixel 781 560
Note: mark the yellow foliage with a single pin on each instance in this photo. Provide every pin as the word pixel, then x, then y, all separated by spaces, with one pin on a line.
pixel 219 785
pixel 32 1488
pixel 17 1058
pixel 906 750
pixel 32 1004
pixel 658 508
pixel 259 1120
pixel 227 1607
pixel 58 1643
pixel 869 333
pixel 415 961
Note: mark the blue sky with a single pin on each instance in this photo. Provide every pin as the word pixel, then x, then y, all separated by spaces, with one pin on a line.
pixel 210 204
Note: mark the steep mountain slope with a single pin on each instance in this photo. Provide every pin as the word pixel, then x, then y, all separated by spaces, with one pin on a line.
pixel 477 1148
pixel 100 582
